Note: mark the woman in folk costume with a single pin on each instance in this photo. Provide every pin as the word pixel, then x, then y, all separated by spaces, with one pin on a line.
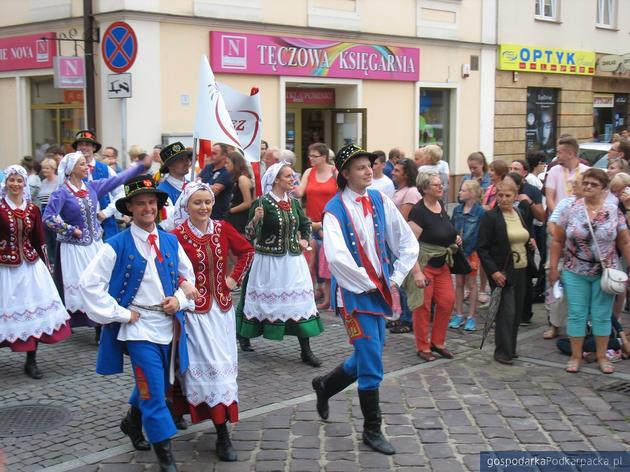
pixel 71 213
pixel 278 298
pixel 30 308
pixel 209 384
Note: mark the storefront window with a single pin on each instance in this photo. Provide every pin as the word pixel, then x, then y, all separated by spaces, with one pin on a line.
pixel 609 115
pixel 434 118
pixel 56 115
pixel 541 121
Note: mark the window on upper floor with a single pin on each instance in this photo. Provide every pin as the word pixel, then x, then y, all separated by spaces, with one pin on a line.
pixel 336 14
pixel 547 9
pixel 607 13
pixel 341 5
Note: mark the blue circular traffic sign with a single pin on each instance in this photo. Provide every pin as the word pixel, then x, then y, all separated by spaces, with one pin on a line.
pixel 119 47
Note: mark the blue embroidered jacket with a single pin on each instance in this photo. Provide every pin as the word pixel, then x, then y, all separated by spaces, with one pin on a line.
pixel 367 303
pixel 127 275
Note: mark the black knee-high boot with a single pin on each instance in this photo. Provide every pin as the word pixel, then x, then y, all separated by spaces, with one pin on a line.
pixel 30 367
pixel 224 448
pixel 328 385
pixel 372 435
pixel 307 355
pixel 165 456
pixel 245 343
pixel 179 420
pixel 131 425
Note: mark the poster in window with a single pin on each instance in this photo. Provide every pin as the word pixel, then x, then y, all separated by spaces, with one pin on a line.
pixel 541 121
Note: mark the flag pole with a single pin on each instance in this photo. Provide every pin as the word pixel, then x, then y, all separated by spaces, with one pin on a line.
pixel 194 159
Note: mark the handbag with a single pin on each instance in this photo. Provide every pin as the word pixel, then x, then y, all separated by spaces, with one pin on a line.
pixel 460 266
pixel 613 281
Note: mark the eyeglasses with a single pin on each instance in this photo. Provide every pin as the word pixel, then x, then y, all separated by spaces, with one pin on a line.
pixel 314 156
pixel 437 185
pixel 591 184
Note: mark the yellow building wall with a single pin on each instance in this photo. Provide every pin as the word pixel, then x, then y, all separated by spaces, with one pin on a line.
pixel 379 17
pixel 441 67
pixel 390 121
pixel 294 12
pixel 182 47
pixel 9 129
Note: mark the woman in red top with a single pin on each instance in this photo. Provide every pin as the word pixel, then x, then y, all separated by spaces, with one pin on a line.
pixel 318 186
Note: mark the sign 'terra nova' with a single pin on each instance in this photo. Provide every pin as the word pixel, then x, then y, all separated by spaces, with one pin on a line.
pixel 239 53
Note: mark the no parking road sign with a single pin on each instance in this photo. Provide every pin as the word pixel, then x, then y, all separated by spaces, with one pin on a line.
pixel 119 47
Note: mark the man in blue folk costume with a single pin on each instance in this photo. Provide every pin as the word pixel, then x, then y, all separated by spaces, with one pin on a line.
pixel 361 227
pixel 136 286
pixel 176 161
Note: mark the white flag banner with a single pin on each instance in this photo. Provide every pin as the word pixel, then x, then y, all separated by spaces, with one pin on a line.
pixel 212 121
pixel 246 118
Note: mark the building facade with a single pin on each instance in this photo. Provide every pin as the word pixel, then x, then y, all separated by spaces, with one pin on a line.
pixel 381 74
pixel 563 68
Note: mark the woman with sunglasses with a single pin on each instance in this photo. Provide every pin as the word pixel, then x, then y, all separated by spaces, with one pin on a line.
pixel 583 258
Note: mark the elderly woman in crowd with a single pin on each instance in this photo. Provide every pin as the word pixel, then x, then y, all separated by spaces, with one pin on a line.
pixel 278 297
pixel 617 165
pixel 49 183
pixel 210 322
pixel 438 242
pixel 583 258
pixel 71 213
pixel 434 163
pixel 502 248
pixel 30 307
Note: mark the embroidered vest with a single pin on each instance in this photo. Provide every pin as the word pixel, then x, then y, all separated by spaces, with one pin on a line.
pixel 368 303
pixel 17 229
pixel 125 281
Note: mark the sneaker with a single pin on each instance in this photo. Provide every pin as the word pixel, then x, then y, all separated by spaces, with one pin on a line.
pixel 471 325
pixel 456 321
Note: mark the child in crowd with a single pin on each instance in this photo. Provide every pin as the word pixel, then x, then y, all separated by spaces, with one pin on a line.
pixel 466 217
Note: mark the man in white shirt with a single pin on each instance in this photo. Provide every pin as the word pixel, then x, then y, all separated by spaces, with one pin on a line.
pixel 379 180
pixel 559 177
pixel 135 288
pixel 559 185
pixel 360 227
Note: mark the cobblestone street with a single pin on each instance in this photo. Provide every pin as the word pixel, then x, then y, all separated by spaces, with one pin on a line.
pixel 439 415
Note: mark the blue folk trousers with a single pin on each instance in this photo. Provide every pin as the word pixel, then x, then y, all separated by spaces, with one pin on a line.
pixel 366 363
pixel 150 362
